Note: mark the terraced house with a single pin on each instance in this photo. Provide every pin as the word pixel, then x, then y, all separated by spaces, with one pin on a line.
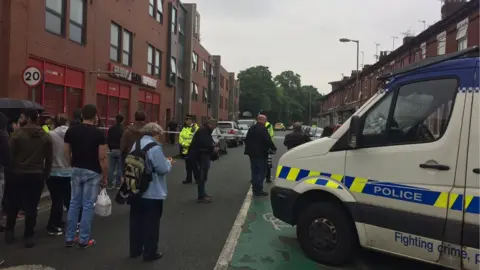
pixel 458 30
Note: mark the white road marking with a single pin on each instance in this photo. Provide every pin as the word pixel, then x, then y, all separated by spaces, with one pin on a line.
pixel 232 240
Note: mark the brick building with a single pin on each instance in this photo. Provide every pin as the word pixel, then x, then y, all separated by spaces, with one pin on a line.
pixel 121 55
pixel 458 29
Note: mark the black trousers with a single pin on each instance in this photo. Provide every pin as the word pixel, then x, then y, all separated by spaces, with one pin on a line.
pixel 59 188
pixel 269 173
pixel 145 217
pixel 25 192
pixel 191 168
pixel 171 137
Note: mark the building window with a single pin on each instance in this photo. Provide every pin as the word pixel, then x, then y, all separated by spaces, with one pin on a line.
pixel 77 21
pixel 222 79
pixel 150 60
pixel 442 42
pixel 194 91
pixel 174 20
pixel 462 35
pixel 173 65
pixel 197 25
pixel 127 48
pixel 155 10
pixel 154 62
pixel 205 95
pixel 115 42
pixel 173 72
pixel 221 102
pixel 55 17
pixel 423 47
pixel 158 64
pixel 204 68
pixel 195 61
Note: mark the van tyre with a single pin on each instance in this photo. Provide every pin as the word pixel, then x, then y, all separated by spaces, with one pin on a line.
pixel 327 234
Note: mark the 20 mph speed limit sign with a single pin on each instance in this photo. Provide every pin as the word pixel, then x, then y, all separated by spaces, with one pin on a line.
pixel 32 76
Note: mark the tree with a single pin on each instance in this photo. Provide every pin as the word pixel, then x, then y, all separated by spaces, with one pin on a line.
pixel 284 99
pixel 256 89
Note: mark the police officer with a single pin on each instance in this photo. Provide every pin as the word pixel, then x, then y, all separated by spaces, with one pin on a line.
pixel 185 139
pixel 268 177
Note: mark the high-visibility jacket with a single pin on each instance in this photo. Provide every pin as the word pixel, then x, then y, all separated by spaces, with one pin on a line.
pixel 46 128
pixel 186 136
pixel 269 128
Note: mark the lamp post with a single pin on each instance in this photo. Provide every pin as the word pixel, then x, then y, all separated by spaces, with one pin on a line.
pixel 345 40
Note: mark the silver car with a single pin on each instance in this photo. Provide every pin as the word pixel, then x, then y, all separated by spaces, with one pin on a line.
pixel 233 137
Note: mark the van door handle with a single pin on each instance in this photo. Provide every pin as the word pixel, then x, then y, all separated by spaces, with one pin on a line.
pixel 435 167
pixel 476 170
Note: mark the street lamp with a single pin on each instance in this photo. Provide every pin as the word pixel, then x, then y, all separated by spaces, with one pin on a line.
pixel 345 40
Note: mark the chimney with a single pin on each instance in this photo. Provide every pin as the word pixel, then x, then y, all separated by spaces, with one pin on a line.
pixel 451 6
pixel 407 39
pixel 382 55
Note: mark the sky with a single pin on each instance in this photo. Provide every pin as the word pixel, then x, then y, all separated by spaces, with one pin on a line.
pixel 302 35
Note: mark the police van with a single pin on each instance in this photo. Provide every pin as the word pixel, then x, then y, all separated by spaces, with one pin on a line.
pixel 400 176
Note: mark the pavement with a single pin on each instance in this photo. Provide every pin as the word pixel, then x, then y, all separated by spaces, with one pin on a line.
pixel 236 231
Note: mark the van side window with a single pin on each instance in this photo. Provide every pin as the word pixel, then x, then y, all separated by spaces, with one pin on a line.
pixel 422 111
pixel 421 114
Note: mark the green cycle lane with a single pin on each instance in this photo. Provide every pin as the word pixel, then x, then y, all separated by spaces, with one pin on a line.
pixel 267 243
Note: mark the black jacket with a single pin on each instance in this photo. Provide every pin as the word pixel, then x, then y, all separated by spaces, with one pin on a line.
pixel 115 133
pixel 295 139
pixel 202 143
pixel 258 142
pixel 4 148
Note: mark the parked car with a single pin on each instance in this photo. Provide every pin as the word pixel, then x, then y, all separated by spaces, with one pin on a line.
pixel 221 141
pixel 279 126
pixel 231 128
pixel 290 128
pixel 315 133
pixel 243 129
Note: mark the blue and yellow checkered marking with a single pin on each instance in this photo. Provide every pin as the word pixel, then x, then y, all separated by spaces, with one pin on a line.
pixel 371 187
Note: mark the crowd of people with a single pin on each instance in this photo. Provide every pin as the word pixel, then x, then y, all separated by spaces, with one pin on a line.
pixel 75 159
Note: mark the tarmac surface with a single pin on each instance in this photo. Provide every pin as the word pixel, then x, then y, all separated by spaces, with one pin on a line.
pixel 192 236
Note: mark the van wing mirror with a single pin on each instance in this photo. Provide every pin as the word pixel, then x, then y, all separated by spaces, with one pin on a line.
pixel 355 132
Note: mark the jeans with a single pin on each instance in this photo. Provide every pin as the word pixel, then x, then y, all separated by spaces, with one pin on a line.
pixel 25 192
pixel 85 188
pixel 258 166
pixel 59 188
pixel 145 217
pixel 203 166
pixel 115 164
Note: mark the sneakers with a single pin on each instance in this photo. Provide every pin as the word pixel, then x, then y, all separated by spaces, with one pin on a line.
pixel 90 243
pixel 71 243
pixel 54 231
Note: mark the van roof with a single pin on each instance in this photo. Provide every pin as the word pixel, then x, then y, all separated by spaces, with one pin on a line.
pixel 467 57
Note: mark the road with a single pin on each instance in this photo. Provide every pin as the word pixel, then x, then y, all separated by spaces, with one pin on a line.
pixel 192 235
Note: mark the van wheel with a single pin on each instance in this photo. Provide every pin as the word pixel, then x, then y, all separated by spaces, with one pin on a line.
pixel 327 234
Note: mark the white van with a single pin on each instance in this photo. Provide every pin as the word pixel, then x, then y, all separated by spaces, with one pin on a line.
pixel 400 176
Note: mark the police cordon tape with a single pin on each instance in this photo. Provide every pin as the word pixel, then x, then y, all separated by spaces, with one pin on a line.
pixel 224 135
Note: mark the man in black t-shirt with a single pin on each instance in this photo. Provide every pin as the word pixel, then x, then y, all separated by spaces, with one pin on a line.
pixel 86 148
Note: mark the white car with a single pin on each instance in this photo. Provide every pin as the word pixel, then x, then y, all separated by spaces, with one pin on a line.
pixel 243 129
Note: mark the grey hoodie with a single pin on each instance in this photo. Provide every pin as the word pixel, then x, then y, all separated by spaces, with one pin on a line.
pixel 60 165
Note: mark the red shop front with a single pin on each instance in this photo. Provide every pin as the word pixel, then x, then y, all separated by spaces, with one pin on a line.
pixel 61 90
pixel 149 103
pixel 112 99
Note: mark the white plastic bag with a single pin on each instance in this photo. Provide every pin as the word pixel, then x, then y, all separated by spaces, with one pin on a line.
pixel 103 206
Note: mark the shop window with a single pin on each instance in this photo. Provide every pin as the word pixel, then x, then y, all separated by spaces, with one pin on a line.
pixel 112 99
pixel 113 110
pixel 74 100
pixel 55 17
pixel 124 104
pixel 53 99
pixel 149 103
pixel 77 21
pixel 102 107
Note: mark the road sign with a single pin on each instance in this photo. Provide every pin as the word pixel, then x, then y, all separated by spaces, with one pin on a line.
pixel 32 76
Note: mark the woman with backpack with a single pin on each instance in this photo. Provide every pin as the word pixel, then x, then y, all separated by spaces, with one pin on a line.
pixel 146 202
